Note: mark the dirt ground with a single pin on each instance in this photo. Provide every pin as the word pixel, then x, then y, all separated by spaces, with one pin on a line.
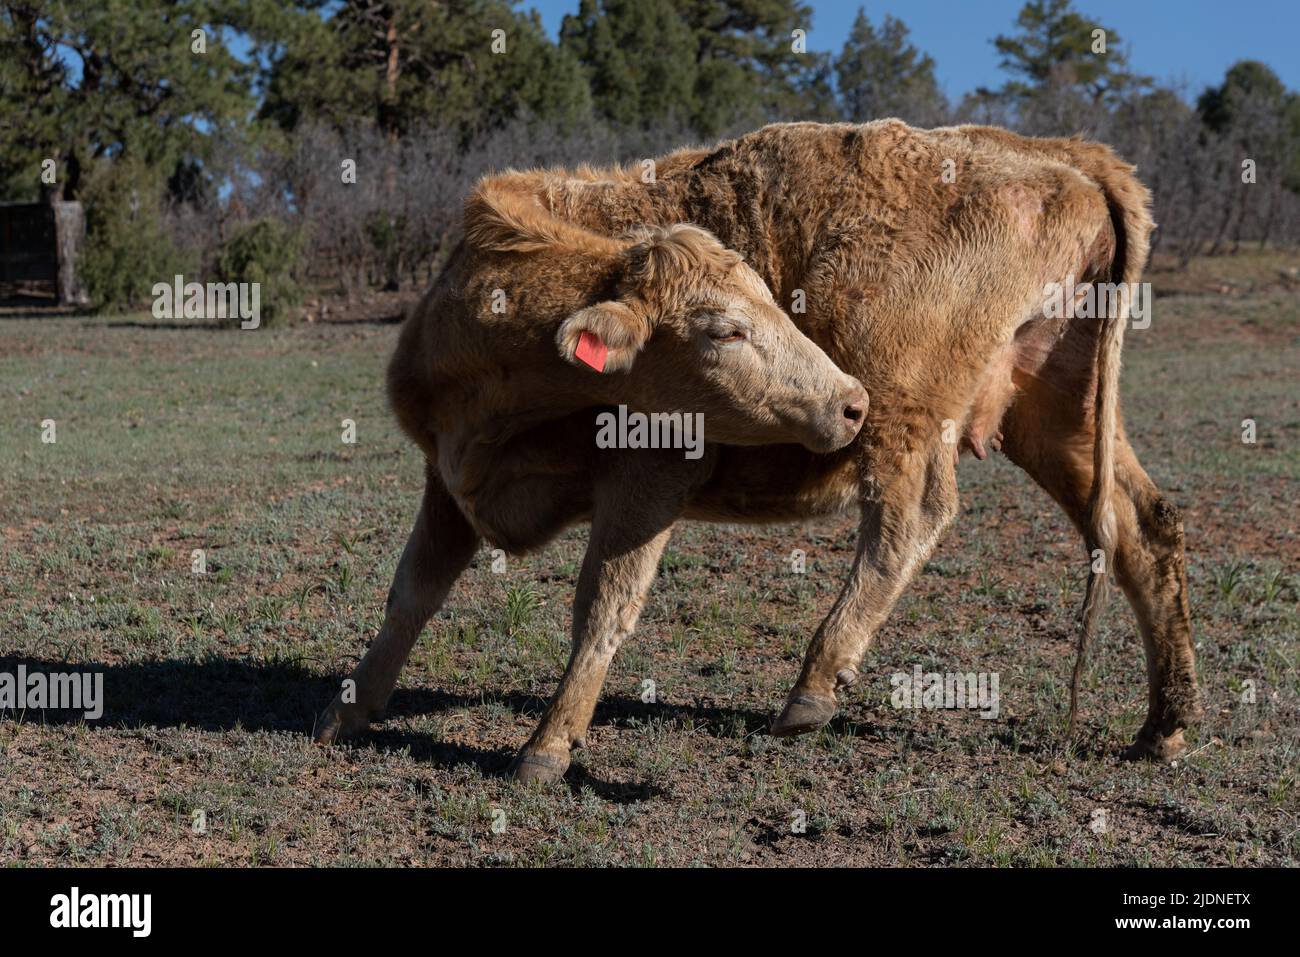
pixel 171 439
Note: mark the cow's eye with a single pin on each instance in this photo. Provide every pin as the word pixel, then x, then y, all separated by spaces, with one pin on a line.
pixel 725 334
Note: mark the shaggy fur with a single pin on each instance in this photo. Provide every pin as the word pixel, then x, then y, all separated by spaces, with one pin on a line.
pixel 921 259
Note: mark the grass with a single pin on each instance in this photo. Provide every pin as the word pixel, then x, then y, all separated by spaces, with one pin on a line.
pixel 176 440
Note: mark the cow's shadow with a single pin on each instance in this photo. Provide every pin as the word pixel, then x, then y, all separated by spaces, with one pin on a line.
pixel 223 694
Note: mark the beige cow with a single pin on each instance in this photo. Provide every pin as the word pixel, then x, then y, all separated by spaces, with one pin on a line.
pixel 917 260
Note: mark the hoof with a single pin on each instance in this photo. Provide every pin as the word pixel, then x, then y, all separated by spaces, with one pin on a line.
pixel 538 766
pixel 337 725
pixel 803 713
pixel 1153 746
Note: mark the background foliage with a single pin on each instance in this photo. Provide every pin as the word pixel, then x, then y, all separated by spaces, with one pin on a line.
pixel 175 153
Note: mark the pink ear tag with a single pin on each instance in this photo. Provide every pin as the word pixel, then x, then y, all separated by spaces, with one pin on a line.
pixel 591 351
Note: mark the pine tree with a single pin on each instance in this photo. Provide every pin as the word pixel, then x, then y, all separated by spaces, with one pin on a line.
pixel 119 80
pixel 470 65
pixel 1253 107
pixel 722 65
pixel 639 56
pixel 749 72
pixel 1056 47
pixel 881 74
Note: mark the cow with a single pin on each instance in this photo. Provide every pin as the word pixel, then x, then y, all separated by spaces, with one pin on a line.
pixel 918 261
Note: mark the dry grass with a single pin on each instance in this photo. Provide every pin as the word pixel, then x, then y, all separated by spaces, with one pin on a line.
pixel 176 439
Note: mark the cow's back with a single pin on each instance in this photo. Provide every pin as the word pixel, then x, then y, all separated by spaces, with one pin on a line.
pixel 916 255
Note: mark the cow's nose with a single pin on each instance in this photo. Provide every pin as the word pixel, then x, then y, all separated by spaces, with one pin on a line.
pixel 855 406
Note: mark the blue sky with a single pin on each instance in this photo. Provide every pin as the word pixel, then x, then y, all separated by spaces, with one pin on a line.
pixel 1191 41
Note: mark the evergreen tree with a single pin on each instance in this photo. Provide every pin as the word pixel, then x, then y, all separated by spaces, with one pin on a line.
pixel 881 74
pixel 470 65
pixel 1056 47
pixel 1247 83
pixel 120 79
pixel 1254 108
pixel 722 65
pixel 640 58
pixel 748 71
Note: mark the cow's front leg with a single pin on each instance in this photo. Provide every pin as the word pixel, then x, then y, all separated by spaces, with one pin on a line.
pixel 441 545
pixel 900 528
pixel 635 507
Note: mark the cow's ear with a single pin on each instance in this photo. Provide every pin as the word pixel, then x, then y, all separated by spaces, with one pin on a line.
pixel 605 337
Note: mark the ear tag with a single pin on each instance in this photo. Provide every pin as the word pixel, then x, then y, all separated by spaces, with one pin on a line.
pixel 591 351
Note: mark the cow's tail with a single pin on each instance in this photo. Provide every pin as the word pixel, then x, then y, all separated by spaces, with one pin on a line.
pixel 1129 202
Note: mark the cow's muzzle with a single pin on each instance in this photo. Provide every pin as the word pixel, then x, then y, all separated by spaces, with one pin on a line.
pixel 841 418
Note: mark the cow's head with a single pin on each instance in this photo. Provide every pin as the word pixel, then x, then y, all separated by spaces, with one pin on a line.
pixel 695 329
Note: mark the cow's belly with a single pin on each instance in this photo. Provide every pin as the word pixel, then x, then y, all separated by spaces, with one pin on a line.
pixel 522 491
pixel 776 483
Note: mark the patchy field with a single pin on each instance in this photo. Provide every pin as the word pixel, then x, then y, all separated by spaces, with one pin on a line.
pixel 175 439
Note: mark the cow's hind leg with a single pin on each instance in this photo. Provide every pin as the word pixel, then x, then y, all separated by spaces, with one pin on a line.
pixel 441 545
pixel 636 502
pixel 1050 437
